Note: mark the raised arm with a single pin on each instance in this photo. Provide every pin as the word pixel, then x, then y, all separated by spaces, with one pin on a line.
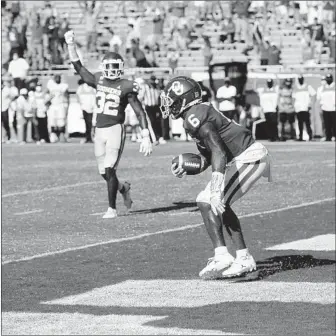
pixel 84 73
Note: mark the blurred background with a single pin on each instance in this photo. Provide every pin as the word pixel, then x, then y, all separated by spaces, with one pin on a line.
pixel 247 55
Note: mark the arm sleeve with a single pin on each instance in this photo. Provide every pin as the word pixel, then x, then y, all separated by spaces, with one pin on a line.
pixel 88 77
pixel 138 109
pixel 216 146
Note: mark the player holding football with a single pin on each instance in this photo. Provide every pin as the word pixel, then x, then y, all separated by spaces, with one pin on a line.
pixel 237 161
pixel 113 93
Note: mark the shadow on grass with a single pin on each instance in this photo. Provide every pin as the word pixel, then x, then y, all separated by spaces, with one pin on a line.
pixel 278 264
pixel 175 207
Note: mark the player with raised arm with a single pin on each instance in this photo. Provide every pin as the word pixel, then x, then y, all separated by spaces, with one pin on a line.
pixel 113 93
pixel 237 162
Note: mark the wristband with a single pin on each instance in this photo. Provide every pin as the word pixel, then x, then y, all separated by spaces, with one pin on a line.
pixel 73 52
pixel 217 180
pixel 145 133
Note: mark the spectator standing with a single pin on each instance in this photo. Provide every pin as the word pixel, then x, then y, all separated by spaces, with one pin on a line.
pixel 226 97
pixel 115 42
pixel 64 26
pixel 150 56
pixel 87 100
pixel 303 95
pixel 286 109
pixel 274 54
pixel 318 38
pixel 268 102
pixel 158 23
pixel 20 23
pixel 139 55
pixel 90 18
pixel 26 109
pixel 8 94
pixel 13 38
pixel 207 50
pixel 151 101
pixel 326 98
pixel 264 48
pixel 36 46
pixel 173 57
pixel 42 101
pixel 18 69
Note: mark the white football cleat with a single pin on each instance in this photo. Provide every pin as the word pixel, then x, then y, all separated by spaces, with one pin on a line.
pixel 240 266
pixel 110 213
pixel 215 267
pixel 127 195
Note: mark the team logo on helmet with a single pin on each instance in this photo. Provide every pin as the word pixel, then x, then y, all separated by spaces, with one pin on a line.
pixel 177 88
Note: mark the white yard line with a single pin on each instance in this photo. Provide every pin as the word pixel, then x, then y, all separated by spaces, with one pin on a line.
pixel 29 212
pixel 145 235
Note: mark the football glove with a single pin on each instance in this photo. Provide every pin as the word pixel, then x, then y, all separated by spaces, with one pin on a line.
pixel 177 171
pixel 146 145
pixel 69 37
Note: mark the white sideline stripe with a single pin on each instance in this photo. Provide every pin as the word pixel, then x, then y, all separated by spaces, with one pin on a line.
pixel 318 243
pixel 144 235
pixel 28 212
pixel 161 213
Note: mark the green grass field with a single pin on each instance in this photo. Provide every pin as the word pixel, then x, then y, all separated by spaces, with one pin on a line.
pixel 66 271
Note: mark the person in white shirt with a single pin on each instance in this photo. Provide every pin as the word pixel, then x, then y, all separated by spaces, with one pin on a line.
pixel 26 109
pixel 326 98
pixel 115 42
pixel 303 95
pixel 8 95
pixel 58 110
pixel 42 100
pixel 226 97
pixel 269 103
pixel 18 69
pixel 87 100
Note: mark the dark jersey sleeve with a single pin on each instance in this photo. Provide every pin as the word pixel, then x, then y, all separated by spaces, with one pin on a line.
pixel 130 87
pixel 88 77
pixel 195 117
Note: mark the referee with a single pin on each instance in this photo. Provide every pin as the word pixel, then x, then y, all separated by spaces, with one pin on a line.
pixel 151 101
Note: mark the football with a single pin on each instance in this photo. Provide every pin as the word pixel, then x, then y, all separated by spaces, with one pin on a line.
pixel 192 163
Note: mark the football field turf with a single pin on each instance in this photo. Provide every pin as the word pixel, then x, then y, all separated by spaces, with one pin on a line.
pixel 65 270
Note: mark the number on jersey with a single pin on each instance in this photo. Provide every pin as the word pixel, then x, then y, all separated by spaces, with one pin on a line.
pixel 107 103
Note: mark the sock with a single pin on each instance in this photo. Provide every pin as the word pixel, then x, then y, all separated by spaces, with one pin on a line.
pixel 242 253
pixel 221 250
pixel 112 186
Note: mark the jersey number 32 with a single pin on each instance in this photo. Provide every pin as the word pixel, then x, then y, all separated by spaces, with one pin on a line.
pixel 107 103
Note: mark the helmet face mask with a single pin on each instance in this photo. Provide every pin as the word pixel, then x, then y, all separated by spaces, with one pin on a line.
pixel 112 67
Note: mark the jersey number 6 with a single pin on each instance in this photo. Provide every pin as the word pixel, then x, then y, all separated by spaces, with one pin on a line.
pixel 107 103
pixel 194 122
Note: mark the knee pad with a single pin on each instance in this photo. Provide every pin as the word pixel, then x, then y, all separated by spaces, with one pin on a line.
pixel 203 197
pixel 110 173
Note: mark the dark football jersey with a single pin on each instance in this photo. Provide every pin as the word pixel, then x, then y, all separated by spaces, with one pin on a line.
pixel 111 100
pixel 236 138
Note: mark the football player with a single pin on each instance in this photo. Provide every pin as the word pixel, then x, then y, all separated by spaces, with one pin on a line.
pixel 113 93
pixel 58 110
pixel 237 162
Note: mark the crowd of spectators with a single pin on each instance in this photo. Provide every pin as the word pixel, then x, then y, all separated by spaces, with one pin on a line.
pixel 247 22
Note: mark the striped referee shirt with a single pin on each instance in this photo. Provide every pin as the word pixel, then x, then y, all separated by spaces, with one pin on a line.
pixel 151 95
